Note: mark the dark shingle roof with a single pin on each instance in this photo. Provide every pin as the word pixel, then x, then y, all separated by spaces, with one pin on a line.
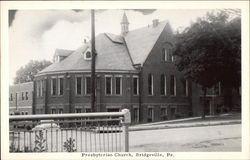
pixel 114 52
pixel 110 56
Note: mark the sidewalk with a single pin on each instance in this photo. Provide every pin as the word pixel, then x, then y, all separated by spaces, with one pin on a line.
pixel 190 122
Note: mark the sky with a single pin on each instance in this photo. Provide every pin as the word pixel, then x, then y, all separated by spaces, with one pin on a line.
pixel 35 34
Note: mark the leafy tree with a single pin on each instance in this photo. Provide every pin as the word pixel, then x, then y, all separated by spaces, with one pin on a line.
pixel 209 52
pixel 26 73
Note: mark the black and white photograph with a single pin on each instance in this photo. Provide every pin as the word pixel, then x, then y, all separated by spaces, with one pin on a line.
pixel 125 82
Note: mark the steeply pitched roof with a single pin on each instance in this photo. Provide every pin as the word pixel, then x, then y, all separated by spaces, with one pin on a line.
pixel 110 56
pixel 124 19
pixel 141 41
pixel 114 52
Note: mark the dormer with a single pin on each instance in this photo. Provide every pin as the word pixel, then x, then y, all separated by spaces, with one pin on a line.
pixel 87 55
pixel 61 54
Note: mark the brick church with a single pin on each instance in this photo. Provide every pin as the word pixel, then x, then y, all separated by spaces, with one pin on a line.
pixel 134 70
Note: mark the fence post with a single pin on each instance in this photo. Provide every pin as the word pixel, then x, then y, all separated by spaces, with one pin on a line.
pixel 126 121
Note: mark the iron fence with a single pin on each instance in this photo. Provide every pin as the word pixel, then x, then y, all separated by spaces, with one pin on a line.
pixel 76 132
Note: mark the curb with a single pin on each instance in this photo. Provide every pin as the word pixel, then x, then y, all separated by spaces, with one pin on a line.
pixel 181 126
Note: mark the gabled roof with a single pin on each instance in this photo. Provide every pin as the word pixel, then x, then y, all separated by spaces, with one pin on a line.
pixel 63 52
pixel 141 41
pixel 114 52
pixel 110 56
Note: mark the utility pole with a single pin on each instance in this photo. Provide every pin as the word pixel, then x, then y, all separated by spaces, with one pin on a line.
pixel 93 60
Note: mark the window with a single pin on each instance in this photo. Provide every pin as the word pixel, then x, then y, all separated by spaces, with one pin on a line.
pixel 87 110
pixel 163 85
pixel 172 85
pixel 118 85
pixel 150 114
pixel 165 55
pixel 37 89
pixel 172 58
pixel 78 85
pixel 60 86
pixel 186 87
pixel 26 113
pixel 88 55
pixel 22 96
pixel 11 97
pixel 136 115
pixel 217 89
pixel 53 111
pixel 41 88
pixel 135 85
pixel 22 112
pixel 78 110
pixel 60 111
pixel 53 86
pixel 108 82
pixel 87 85
pixel 26 95
pixel 150 84
pixel 164 111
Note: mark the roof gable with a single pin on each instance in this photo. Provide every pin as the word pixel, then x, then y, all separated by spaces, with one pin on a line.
pixel 141 41
pixel 110 56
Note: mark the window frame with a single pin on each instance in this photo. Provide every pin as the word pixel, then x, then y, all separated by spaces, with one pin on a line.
pixel 59 85
pixel 85 84
pixel 137 85
pixel 52 91
pixel 111 86
pixel 174 85
pixel 81 88
pixel 26 95
pixel 136 114
pixel 152 85
pixel 118 76
pixel 186 88
pixel 165 84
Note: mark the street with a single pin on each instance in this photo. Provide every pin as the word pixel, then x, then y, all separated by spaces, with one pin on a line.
pixel 193 139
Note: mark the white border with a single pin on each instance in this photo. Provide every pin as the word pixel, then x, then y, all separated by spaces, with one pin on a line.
pixel 244 5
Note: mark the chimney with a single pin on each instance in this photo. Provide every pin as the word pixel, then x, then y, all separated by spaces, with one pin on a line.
pixel 155 22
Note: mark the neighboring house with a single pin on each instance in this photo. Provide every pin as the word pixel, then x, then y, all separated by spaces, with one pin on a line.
pixel 21 98
pixel 134 70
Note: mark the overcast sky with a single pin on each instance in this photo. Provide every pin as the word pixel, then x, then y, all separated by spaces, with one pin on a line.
pixel 35 34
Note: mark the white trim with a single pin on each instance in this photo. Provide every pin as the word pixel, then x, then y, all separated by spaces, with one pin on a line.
pixel 21 107
pixel 111 86
pixel 113 107
pixel 86 71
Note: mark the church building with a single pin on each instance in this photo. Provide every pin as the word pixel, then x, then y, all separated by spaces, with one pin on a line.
pixel 134 70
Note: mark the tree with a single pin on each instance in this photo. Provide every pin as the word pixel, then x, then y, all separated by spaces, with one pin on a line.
pixel 209 52
pixel 26 73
